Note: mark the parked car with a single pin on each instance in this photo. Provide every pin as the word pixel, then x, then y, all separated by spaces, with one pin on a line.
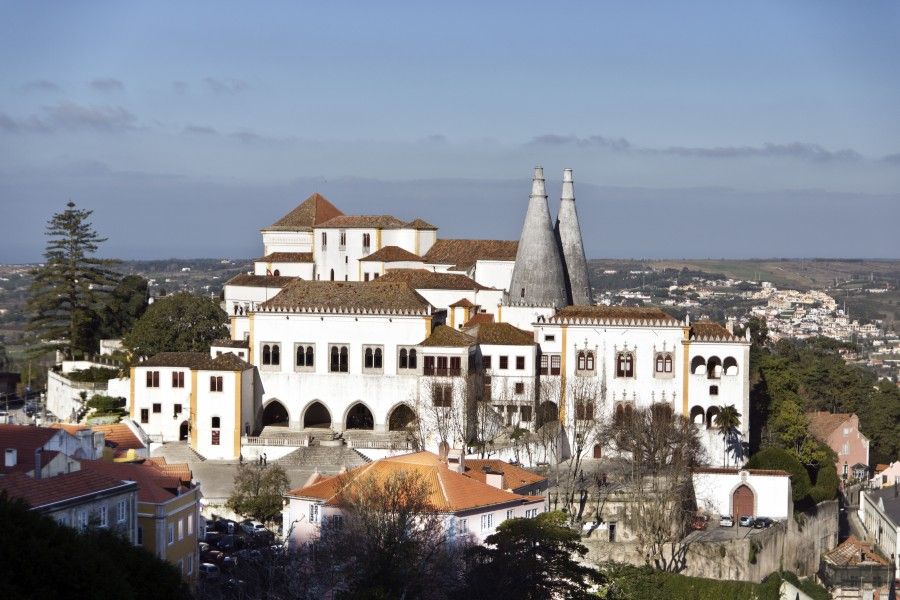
pixel 212 556
pixel 209 571
pixel 251 527
pixel 212 537
pixel 230 543
pixel 762 522
pixel 228 564
pixel 699 522
pixel 726 521
pixel 226 526
pixel 745 521
pixel 203 546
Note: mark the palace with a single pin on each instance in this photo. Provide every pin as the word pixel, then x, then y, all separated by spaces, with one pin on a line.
pixel 372 325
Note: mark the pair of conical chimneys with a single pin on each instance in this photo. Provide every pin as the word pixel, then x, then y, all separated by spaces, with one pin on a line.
pixel 550 268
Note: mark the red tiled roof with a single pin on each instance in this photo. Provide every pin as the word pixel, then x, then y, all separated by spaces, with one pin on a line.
pixel 479 319
pixel 419 224
pixel 423 279
pixel 119 436
pixel 25 440
pixel 515 477
pixel 155 485
pixel 444 336
pixel 314 210
pixel 462 303
pixel 39 493
pixel 822 423
pixel 362 222
pixel 197 361
pixel 464 253
pixel 852 552
pixel 392 254
pixel 449 491
pixel 501 334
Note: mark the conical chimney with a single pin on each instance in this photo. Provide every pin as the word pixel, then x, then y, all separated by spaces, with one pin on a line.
pixel 568 236
pixel 538 277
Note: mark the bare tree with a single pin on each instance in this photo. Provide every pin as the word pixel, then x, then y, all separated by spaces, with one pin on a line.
pixel 587 395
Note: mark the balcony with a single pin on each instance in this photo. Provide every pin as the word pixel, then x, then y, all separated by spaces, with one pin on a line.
pixel 442 371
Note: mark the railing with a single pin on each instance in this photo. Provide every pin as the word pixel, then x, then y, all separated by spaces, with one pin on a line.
pixel 290 441
pixel 379 444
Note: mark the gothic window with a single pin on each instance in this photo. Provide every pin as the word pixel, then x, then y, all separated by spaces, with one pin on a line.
pixel 271 354
pixel 339 359
pixel 585 361
pixel 304 356
pixel 662 364
pixel 624 364
pixel 584 410
pixel 373 358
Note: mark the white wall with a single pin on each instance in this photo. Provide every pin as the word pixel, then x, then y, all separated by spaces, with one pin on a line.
pixel 494 273
pixel 162 424
pixel 285 269
pixel 222 405
pixel 772 493
pixel 286 241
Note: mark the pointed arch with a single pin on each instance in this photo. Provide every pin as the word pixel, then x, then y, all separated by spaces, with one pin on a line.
pixel 316 415
pixel 401 417
pixel 359 417
pixel 275 414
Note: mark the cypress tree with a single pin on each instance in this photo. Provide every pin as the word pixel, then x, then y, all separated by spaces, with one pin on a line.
pixel 68 290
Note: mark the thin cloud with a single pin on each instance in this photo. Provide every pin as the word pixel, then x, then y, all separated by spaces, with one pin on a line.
pixel 40 85
pixel 225 86
pixel 180 87
pixel 798 150
pixel 71 117
pixel 107 84
pixel 199 130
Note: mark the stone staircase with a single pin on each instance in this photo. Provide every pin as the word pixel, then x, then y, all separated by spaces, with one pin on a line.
pixel 325 459
pixel 178 452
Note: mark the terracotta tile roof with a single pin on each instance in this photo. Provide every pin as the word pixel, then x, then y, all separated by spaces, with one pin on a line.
pixel 462 303
pixel 444 336
pixel 70 428
pixel 269 281
pixel 381 297
pixel 515 477
pixel 420 225
pixel 314 210
pixel 478 319
pixel 450 492
pixel 197 361
pixel 880 467
pixel 852 552
pixel 43 493
pixel 501 334
pixel 286 257
pixel 155 485
pixel 392 254
pixel 613 315
pixel 231 344
pixel 821 423
pixel 363 222
pixel 423 279
pixel 709 331
pixel 731 471
pixel 25 440
pixel 463 253
pixel 119 436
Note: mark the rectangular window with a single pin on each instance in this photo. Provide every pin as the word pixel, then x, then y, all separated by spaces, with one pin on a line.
pixel 313 513
pixel 140 538
pixel 624 364
pixel 429 365
pixel 366 241
pixel 509 514
pixel 120 511
pixel 337 521
pixel 171 533
pixel 190 569
pixel 584 410
pixel 145 415
pixel 178 409
pixel 525 413
pixel 455 366
pixel 504 362
pixel 177 379
pixel 555 364
pixel 324 240
pixel 520 387
pixel 152 379
pixel 104 516
pixel 486 362
pixel 215 383
pixel 62 520
pixel 215 437
pixel 520 363
pixel 487 521
pixel 157 408
pixel 342 240
pixel 180 529
pixel 190 523
pixel 584 362
pixel 442 395
pixel 550 338
pixel 463 525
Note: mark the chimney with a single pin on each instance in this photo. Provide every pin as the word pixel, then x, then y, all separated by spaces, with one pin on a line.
pixel 571 247
pixel 11 458
pixel 37 463
pixel 443 451
pixel 729 325
pixel 456 461
pixel 494 478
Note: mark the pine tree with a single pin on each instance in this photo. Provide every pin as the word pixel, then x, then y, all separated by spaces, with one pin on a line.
pixel 68 290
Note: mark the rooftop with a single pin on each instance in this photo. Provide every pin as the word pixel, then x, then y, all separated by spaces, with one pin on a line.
pixel 463 254
pixel 287 257
pixel 314 210
pixel 25 440
pixel 39 493
pixel 155 485
pixel 268 281
pixel 891 500
pixel 363 222
pixel 501 334
pixel 852 552
pixel 613 315
pixel 392 254
pixel 230 344
pixel 710 331
pixel 515 477
pixel 444 336
pixel 377 297
pixel 197 361
pixel 449 491
pixel 423 279
pixel 822 423
pixel 120 437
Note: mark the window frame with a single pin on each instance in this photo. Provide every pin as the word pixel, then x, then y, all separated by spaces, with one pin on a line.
pixel 343 358
pixel 216 383
pixel 152 379
pixel 585 362
pixel 520 363
pixel 503 363
pixel 373 359
pixel 308 354
pixel 664 364
pixel 178 379
pixel 408 362
pixel 625 364
pixel 157 408
pixel 270 356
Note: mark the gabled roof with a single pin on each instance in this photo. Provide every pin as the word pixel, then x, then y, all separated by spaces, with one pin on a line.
pixel 613 315
pixel 362 222
pixel 154 484
pixel 26 440
pixel 286 257
pixel 462 303
pixel 392 254
pixel 710 331
pixel 269 281
pixel 464 253
pixel 515 477
pixel 243 344
pixel 120 437
pixel 423 279
pixel 478 319
pixel 501 334
pixel 449 491
pixel 45 492
pixel 314 210
pixel 377 297
pixel 852 552
pixel 420 225
pixel 198 361
pixel 444 336
pixel 822 423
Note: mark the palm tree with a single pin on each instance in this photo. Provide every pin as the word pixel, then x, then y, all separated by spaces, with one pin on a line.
pixel 727 420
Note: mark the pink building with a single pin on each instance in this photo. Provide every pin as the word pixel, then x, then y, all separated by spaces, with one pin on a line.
pixel 841 432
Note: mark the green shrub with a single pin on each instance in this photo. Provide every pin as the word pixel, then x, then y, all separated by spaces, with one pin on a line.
pixel 826 487
pixel 777 458
pixel 93 375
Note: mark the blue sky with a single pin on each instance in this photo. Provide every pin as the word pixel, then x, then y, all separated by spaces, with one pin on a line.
pixel 188 126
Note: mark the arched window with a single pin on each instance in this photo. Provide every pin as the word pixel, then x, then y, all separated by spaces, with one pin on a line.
pixel 276 273
pixel 412 359
pixel 369 360
pixel 344 357
pixel 335 365
pixel 714 367
pixel 276 354
pixel 378 357
pixel 590 361
pixel 301 356
pixel 668 365
pixel 624 364
pixel 267 354
pixel 324 240
pixel 332 274
pixel 660 364
pixel 404 358
pixel 310 357
pixel 729 366
pixel 698 365
pixel 581 361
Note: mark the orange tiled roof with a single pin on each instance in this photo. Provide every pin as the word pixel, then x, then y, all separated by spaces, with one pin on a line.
pixel 462 303
pixel 515 477
pixel 852 552
pixel 155 484
pixel 70 428
pixel 464 253
pixel 314 210
pixel 39 493
pixel 25 440
pixel 449 491
pixel 119 436
pixel 378 296
pixel 822 423
pixel 479 319
pixel 392 254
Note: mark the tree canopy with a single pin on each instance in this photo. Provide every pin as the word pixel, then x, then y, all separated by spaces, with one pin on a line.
pixel 179 322
pixel 258 491
pixel 126 303
pixel 42 559
pixel 70 287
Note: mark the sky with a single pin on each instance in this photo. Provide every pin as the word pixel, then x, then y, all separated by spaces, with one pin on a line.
pixel 696 129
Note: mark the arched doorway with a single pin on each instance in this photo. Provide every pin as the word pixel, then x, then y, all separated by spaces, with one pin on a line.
pixel 598 451
pixel 548 412
pixel 742 502
pixel 400 418
pixel 360 417
pixel 317 416
pixel 183 431
pixel 698 415
pixel 275 414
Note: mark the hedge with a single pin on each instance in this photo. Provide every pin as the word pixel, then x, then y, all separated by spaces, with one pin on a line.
pixel 777 458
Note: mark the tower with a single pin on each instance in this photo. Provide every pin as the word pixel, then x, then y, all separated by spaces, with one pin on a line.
pixel 568 236
pixel 538 277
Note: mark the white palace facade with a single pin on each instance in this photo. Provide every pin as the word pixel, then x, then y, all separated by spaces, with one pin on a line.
pixel 372 325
